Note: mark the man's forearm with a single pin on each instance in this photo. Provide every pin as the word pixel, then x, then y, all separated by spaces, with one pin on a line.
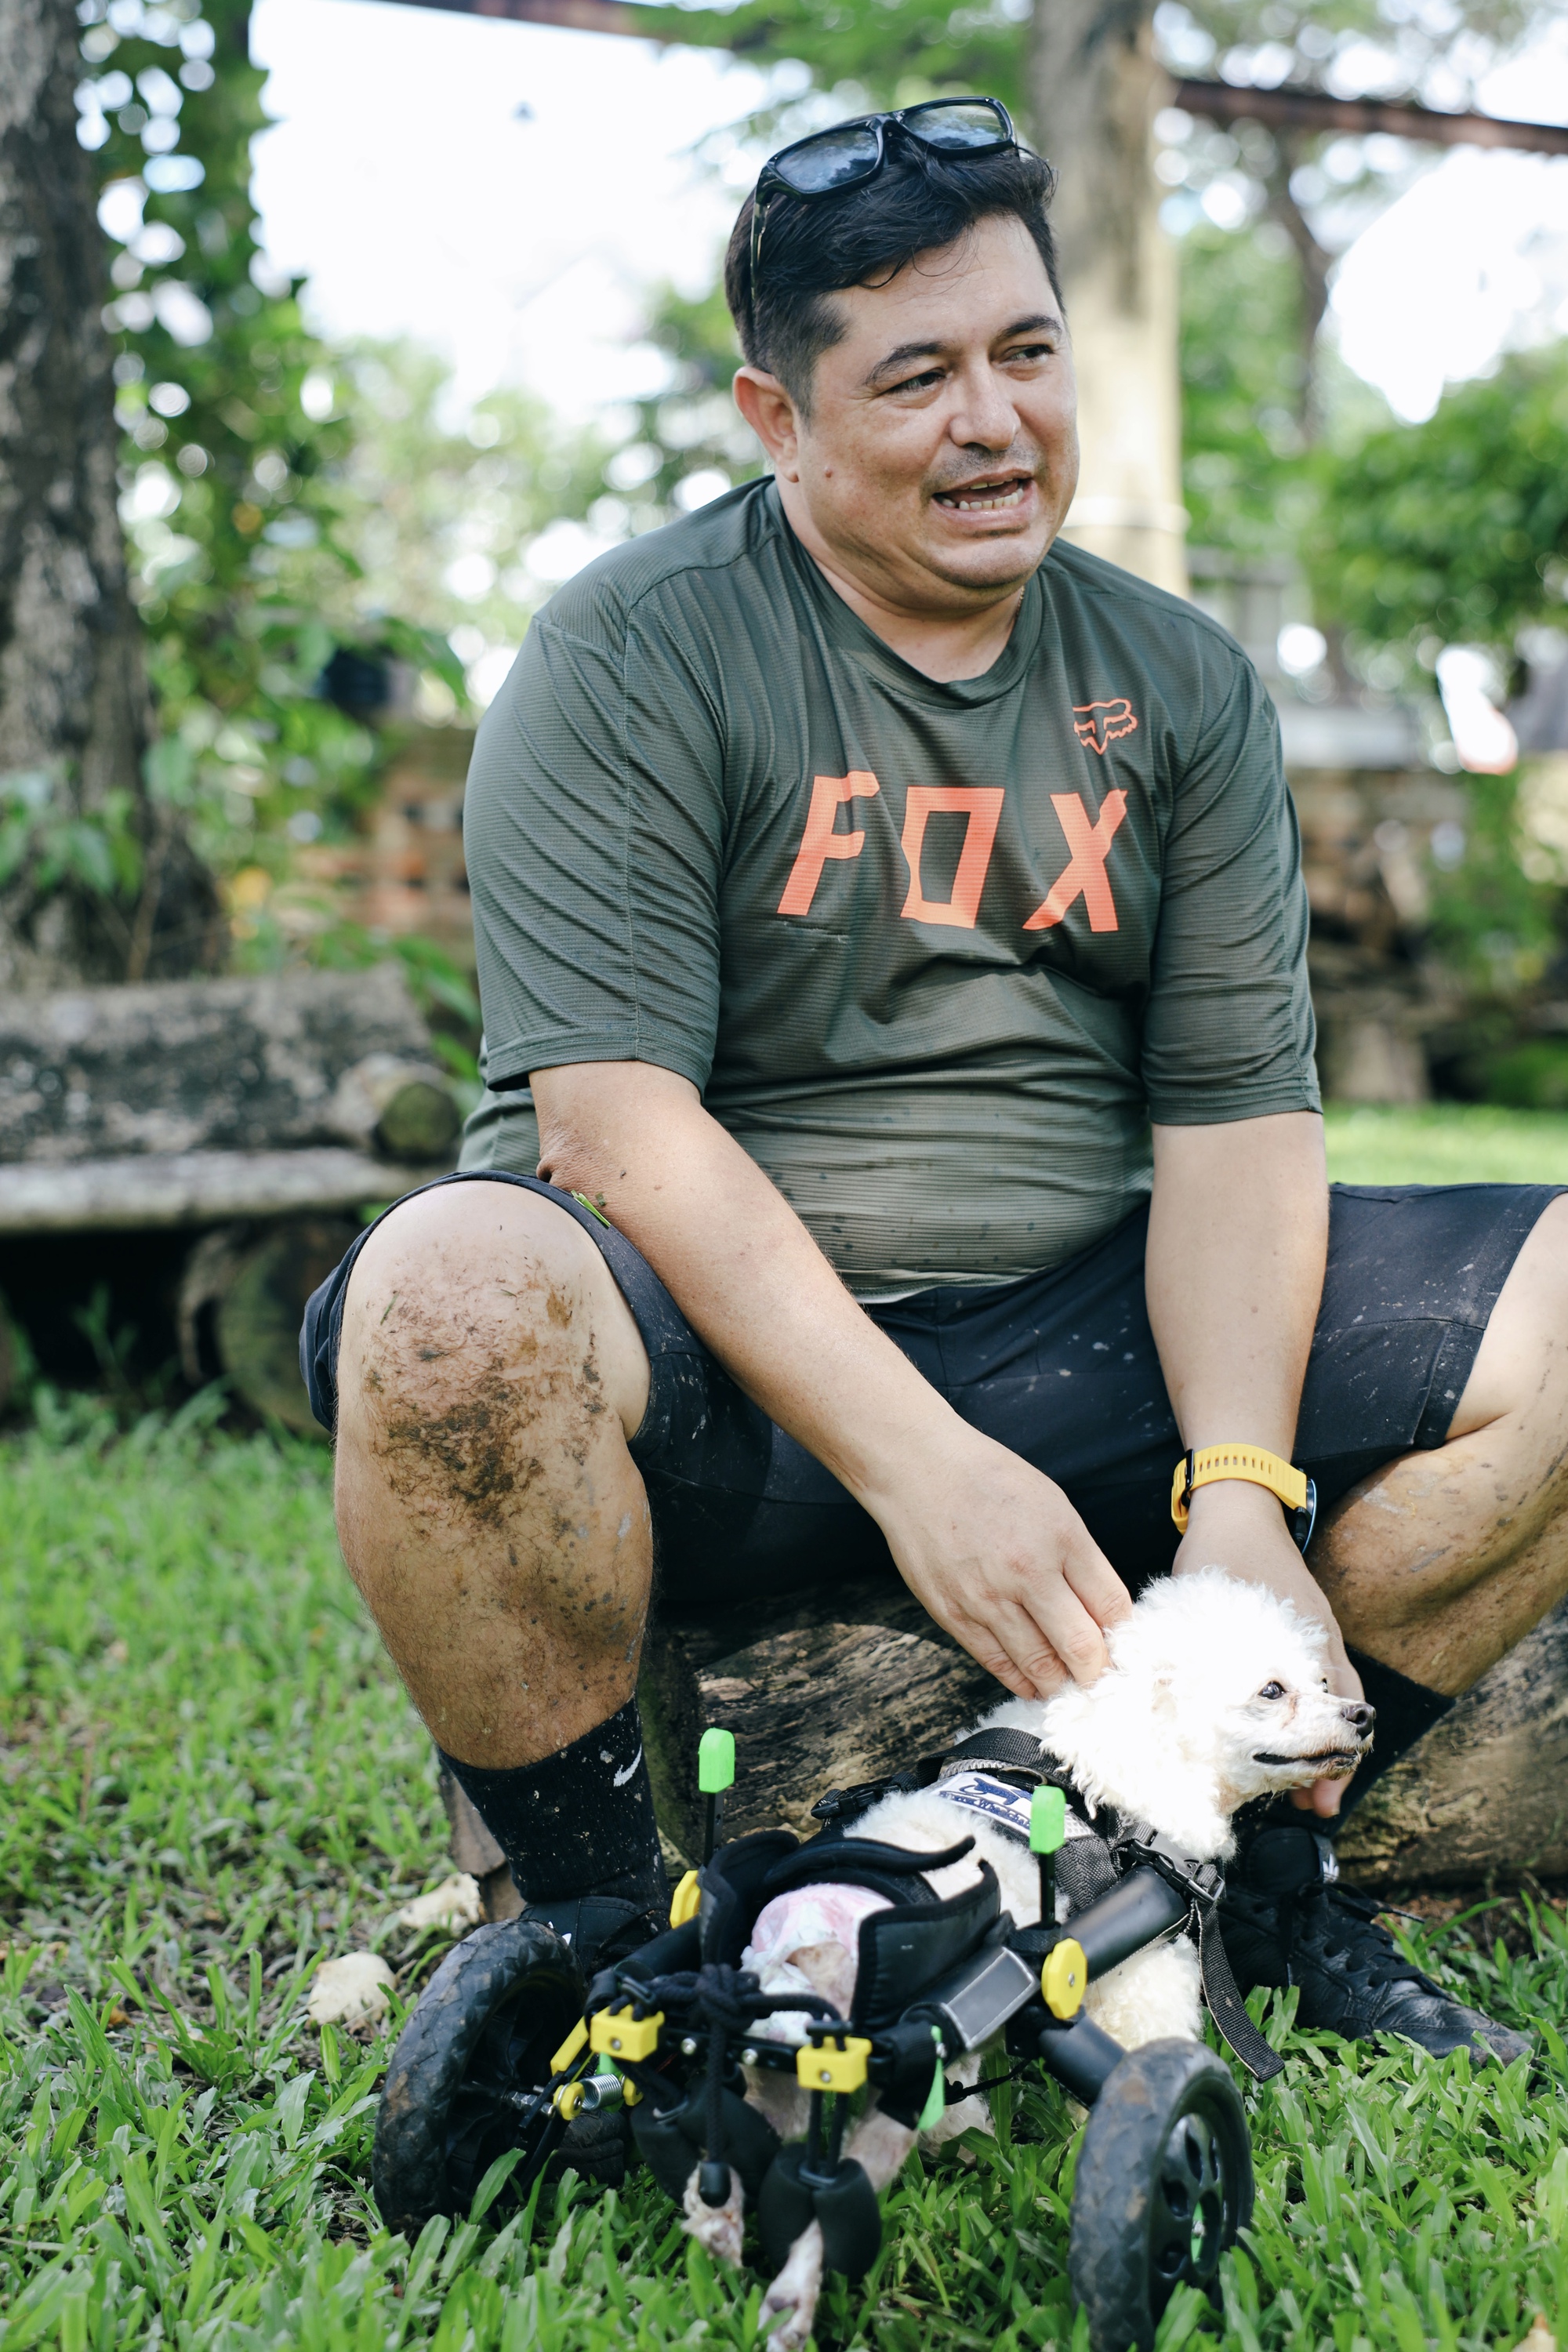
pixel 744 1271
pixel 1238 1232
pixel 987 1543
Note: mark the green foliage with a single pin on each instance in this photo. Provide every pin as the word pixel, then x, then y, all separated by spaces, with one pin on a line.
pixel 41 833
pixel 1243 453
pixel 237 521
pixel 1495 924
pixel 865 52
pixel 690 427
pixel 214 1779
pixel 440 518
pixel 1533 1076
pixel 1455 529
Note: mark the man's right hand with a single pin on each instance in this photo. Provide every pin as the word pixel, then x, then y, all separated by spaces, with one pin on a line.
pixel 998 1555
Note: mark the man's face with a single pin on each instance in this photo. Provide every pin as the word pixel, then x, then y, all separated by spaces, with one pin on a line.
pixel 940 454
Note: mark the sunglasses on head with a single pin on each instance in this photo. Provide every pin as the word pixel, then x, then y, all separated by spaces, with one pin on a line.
pixel 829 162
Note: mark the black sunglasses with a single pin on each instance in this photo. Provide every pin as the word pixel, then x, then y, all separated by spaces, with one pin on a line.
pixel 828 162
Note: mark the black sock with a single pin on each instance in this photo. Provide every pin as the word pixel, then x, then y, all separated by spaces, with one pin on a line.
pixel 1406 1711
pixel 578 1822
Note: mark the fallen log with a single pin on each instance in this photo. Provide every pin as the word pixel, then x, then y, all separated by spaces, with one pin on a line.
pixel 820 1690
pixel 288 1061
pixel 825 1689
pixel 1483 1799
pixel 196 1188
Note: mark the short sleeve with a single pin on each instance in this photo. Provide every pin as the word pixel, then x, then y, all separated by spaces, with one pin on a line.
pixel 594 832
pixel 1228 1032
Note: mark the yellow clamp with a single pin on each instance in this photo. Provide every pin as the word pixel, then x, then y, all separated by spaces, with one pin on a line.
pixel 576 2041
pixel 616 2034
pixel 566 2099
pixel 686 1900
pixel 1253 1463
pixel 839 2065
pixel 1064 1979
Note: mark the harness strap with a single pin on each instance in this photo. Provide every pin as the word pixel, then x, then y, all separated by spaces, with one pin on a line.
pixel 1202 1882
pixel 1225 2005
pixel 1003 1748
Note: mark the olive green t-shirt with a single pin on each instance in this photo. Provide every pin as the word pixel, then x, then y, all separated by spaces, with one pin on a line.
pixel 935 955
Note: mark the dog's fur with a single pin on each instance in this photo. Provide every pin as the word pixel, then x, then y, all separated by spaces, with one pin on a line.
pixel 1178 1732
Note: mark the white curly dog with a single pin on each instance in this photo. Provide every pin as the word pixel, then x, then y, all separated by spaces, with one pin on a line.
pixel 1215 1695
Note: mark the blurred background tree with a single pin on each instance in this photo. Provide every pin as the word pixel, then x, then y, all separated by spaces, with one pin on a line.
pixel 97 881
pixel 306 526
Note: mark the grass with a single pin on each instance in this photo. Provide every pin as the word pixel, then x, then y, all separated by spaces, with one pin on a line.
pixel 213 1778
pixel 1446 1143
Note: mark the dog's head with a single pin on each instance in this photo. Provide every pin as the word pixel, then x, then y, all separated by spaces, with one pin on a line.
pixel 1216 1694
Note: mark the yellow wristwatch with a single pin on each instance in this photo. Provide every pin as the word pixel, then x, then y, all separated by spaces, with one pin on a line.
pixel 1209 1464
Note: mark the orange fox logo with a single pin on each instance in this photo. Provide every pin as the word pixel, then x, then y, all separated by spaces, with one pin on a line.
pixel 1100 723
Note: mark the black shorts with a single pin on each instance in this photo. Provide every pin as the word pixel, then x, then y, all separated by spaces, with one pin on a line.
pixel 1060 1368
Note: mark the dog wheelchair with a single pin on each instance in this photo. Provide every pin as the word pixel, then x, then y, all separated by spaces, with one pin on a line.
pixel 508 2049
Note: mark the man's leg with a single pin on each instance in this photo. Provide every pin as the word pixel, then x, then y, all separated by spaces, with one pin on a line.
pixel 1439 1563
pixel 488 1376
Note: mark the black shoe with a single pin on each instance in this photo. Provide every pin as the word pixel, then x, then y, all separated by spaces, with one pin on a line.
pixel 1286 1921
pixel 598 1929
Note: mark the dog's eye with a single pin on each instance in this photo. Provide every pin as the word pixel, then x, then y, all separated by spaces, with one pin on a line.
pixel 1272 1690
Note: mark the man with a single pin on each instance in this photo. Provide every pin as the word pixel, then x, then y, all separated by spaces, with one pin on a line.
pixel 891 939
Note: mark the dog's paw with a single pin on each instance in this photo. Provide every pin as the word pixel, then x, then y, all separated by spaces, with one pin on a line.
pixel 789 2306
pixel 717 2228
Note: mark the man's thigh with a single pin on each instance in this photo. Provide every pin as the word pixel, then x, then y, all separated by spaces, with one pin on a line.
pixel 1063 1370
pixel 738 1508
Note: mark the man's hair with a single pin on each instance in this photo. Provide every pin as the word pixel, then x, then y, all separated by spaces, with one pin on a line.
pixel 917 203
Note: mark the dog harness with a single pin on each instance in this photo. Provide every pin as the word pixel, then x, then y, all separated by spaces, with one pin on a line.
pixel 993 1773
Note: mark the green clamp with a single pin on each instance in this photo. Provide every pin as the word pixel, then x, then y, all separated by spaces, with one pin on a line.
pixel 715 1761
pixel 1048 1821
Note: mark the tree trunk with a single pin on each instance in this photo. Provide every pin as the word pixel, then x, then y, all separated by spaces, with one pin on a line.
pixel 1314 261
pixel 73 701
pixel 1097 88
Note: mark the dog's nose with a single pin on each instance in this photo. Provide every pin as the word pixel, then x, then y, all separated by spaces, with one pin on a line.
pixel 1357 1712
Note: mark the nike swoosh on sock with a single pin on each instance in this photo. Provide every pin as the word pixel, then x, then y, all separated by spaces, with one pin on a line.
pixel 622 1778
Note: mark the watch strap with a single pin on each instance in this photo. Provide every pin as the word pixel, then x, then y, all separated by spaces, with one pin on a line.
pixel 1206 1464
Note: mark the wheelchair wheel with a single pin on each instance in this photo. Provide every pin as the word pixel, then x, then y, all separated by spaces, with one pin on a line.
pixel 461 2088
pixel 1164 2183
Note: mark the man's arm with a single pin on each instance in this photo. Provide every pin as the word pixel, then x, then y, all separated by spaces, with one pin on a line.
pixel 1238 1240
pixel 989 1546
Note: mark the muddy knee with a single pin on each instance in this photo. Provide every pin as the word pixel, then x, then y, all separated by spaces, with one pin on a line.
pixel 488 1507
pixel 476 1313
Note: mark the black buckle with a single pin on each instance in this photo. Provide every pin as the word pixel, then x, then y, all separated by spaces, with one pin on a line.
pixel 1200 1882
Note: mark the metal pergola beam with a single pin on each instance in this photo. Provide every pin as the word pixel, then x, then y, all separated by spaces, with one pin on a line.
pixel 1284 108
pixel 1309 109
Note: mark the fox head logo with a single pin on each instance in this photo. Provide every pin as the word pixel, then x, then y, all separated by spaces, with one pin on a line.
pixel 1100 723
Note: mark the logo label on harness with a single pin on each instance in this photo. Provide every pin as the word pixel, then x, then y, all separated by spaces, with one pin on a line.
pixel 998 1800
pixel 1008 1806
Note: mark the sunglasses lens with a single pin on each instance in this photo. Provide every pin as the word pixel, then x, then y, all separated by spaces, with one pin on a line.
pixel 969 123
pixel 834 160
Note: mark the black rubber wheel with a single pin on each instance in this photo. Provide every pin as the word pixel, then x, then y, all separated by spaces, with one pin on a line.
pixel 1164 2182
pixel 461 2088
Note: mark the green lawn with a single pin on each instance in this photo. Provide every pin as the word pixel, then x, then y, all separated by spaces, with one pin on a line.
pixel 212 1778
pixel 1446 1143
